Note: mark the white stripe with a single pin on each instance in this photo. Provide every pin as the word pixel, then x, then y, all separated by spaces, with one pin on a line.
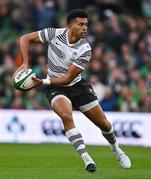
pixel 72 132
pixel 87 159
pixel 78 66
pixel 76 140
pixel 46 35
pixel 88 106
pixel 57 97
pixel 82 146
pixel 40 37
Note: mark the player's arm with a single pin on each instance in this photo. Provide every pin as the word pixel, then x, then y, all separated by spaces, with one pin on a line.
pixel 69 76
pixel 74 70
pixel 43 36
pixel 24 42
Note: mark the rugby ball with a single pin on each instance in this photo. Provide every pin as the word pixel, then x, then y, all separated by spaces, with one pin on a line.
pixel 23 79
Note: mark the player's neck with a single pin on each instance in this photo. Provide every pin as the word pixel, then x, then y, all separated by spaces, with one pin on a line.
pixel 72 38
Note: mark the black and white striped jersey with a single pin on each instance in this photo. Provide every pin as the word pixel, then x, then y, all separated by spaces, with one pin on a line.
pixel 61 54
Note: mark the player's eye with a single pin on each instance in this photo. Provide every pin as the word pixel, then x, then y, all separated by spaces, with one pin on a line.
pixel 83 24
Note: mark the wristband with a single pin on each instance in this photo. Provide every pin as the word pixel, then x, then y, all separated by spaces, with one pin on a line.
pixel 46 81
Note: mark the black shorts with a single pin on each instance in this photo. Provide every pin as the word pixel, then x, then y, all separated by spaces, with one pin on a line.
pixel 81 94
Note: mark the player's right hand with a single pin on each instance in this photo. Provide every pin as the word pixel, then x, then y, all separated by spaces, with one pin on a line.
pixel 23 66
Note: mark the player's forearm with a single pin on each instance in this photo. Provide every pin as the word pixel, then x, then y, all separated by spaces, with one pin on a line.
pixel 24 47
pixel 71 74
pixel 64 80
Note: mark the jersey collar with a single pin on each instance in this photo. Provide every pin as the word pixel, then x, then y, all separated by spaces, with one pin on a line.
pixel 69 44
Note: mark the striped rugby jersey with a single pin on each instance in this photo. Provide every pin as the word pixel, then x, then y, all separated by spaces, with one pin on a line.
pixel 61 54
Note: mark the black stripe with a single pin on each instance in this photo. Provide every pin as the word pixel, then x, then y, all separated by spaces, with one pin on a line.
pixel 78 143
pixel 87 53
pixel 62 38
pixel 81 151
pixel 57 51
pixel 55 68
pixel 81 62
pixel 71 138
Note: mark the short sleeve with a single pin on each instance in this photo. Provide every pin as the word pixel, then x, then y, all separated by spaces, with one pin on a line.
pixel 83 60
pixel 46 35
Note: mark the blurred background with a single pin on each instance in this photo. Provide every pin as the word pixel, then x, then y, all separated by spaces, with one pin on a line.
pixel 120 36
pixel 119 71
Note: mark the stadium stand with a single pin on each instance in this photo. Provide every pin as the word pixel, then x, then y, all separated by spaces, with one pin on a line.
pixel 120 36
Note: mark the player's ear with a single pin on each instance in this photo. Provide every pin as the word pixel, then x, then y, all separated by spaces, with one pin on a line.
pixel 69 25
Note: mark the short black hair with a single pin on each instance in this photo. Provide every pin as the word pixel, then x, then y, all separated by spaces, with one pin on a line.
pixel 76 13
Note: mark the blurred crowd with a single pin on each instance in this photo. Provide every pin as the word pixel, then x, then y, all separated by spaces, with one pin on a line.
pixel 120 36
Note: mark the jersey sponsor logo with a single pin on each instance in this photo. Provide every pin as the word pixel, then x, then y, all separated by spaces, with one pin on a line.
pixel 90 90
pixel 57 43
pixel 57 51
pixel 54 93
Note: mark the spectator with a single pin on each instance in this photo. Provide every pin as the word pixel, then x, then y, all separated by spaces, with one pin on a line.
pixel 120 68
pixel 108 103
pixel 46 14
pixel 98 87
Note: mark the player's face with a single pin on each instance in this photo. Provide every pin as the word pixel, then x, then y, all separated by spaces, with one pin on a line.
pixel 79 27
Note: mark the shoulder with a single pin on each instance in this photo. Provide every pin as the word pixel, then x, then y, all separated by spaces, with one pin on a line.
pixel 85 44
pixel 61 31
pixel 85 47
pixel 47 34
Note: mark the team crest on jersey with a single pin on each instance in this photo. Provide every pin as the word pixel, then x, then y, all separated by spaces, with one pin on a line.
pixel 74 55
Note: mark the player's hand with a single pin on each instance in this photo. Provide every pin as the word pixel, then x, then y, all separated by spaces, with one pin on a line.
pixel 23 66
pixel 36 82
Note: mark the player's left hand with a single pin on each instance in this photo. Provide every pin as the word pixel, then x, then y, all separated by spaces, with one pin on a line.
pixel 36 82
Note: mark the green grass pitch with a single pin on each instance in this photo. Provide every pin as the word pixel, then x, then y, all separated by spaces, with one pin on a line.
pixel 60 161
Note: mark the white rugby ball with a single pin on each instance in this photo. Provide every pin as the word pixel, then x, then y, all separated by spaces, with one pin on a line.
pixel 23 79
